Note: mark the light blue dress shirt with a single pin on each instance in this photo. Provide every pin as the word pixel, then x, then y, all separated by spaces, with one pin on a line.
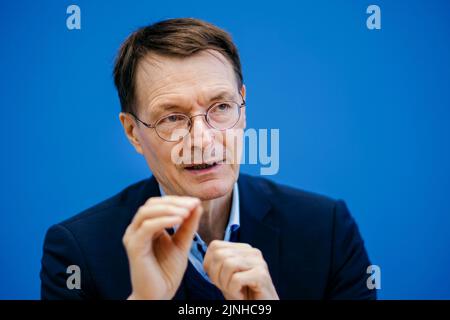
pixel 199 247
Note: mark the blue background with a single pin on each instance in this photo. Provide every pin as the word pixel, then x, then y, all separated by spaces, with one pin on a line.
pixel 363 116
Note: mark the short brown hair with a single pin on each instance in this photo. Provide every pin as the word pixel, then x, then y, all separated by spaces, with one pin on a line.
pixel 181 37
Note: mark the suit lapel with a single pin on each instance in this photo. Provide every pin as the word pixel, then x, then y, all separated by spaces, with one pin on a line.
pixel 254 228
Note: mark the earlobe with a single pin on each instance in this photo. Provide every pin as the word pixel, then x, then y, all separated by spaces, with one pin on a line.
pixel 129 128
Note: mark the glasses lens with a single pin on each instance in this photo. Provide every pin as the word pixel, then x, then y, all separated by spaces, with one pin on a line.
pixel 173 127
pixel 223 115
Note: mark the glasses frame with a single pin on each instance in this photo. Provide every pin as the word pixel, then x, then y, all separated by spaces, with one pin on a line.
pixel 153 126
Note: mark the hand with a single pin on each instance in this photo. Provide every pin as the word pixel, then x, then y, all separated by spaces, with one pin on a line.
pixel 239 271
pixel 157 260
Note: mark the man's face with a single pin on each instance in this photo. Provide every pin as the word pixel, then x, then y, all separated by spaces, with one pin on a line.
pixel 167 85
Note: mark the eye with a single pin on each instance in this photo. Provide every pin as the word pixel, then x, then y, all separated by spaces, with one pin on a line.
pixel 223 107
pixel 173 118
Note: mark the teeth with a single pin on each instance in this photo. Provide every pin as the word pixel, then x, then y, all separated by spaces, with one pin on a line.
pixel 201 166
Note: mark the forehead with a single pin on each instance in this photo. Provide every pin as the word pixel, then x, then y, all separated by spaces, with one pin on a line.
pixel 160 79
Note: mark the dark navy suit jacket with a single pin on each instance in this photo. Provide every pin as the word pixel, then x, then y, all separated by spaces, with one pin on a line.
pixel 310 242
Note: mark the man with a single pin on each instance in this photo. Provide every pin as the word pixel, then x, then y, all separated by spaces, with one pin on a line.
pixel 197 229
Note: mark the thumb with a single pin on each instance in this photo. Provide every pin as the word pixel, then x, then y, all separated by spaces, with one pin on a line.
pixel 185 233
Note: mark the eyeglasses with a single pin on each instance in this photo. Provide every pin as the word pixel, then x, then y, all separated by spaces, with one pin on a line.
pixel 174 127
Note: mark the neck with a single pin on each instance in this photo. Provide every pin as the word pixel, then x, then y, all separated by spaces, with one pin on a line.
pixel 215 216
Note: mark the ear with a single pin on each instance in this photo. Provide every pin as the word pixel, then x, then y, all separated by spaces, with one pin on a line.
pixel 243 93
pixel 131 130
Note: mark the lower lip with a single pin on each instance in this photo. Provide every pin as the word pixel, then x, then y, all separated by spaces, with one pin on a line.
pixel 205 171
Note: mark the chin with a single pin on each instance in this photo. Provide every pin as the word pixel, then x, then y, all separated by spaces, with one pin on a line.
pixel 211 189
pixel 212 183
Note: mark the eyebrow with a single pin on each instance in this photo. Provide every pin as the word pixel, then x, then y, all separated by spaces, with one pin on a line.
pixel 222 95
pixel 164 107
pixel 169 106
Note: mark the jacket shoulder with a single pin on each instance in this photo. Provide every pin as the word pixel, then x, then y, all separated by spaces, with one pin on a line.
pixel 92 240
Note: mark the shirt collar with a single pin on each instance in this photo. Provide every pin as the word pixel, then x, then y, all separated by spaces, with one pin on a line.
pixel 234 219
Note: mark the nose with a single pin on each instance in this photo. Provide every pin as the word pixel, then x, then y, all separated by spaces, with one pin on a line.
pixel 201 132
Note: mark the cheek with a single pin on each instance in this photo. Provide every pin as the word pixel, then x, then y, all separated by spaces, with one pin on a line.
pixel 156 152
pixel 242 120
pixel 232 145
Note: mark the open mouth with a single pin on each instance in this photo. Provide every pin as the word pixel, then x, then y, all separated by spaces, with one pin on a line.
pixel 202 166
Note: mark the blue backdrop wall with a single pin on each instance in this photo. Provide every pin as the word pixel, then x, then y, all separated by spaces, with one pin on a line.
pixel 363 116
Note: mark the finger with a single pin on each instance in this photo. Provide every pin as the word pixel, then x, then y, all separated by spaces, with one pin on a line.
pixel 219 244
pixel 212 262
pixel 219 250
pixel 253 279
pixel 181 201
pixel 185 233
pixel 142 238
pixel 157 210
pixel 234 265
